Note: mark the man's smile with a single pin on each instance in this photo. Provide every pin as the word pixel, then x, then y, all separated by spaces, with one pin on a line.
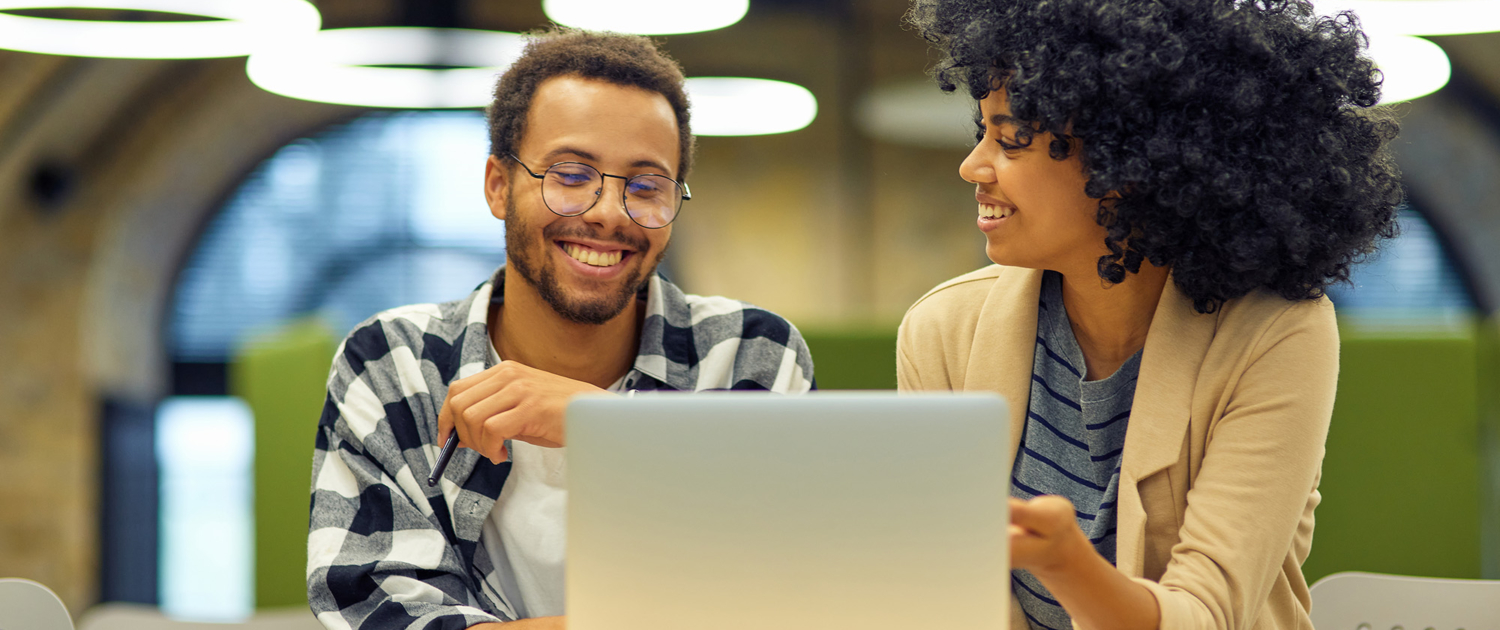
pixel 594 255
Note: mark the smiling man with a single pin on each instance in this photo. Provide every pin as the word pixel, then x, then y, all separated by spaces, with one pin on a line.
pixel 590 149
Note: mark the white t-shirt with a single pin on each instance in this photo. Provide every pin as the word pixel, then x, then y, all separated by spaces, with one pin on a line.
pixel 525 533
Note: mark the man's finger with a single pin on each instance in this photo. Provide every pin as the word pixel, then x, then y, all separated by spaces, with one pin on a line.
pixel 517 423
pixel 445 422
pixel 508 424
pixel 485 425
pixel 487 385
pixel 482 384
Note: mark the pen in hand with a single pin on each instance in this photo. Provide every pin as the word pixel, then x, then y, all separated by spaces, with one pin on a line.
pixel 443 457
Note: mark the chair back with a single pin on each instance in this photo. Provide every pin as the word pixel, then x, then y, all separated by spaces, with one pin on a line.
pixel 143 617
pixel 1373 601
pixel 26 605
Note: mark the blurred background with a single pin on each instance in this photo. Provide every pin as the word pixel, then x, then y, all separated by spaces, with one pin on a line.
pixel 182 247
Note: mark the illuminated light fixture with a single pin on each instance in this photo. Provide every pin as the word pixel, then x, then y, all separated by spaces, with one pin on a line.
pixel 1419 17
pixel 1412 66
pixel 647 17
pixel 399 67
pixel 234 28
pixel 916 113
pixel 733 106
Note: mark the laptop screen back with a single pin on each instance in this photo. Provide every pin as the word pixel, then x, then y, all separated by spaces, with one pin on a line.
pixel 830 510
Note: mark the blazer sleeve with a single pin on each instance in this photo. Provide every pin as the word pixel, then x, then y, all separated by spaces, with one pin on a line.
pixel 908 377
pixel 937 333
pixel 1248 514
pixel 921 359
pixel 377 552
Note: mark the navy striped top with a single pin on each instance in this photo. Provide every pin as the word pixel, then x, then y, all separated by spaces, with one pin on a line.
pixel 1071 445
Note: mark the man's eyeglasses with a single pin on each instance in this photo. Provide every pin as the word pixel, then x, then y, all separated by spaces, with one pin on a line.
pixel 572 188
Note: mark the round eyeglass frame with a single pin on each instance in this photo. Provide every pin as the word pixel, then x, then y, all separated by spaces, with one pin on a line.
pixel 687 195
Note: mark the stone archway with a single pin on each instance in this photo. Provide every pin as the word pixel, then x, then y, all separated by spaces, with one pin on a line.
pixel 108 169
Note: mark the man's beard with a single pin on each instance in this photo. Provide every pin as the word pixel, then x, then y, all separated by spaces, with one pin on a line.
pixel 521 244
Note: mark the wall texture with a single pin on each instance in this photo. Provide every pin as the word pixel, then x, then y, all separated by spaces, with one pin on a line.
pixel 133 155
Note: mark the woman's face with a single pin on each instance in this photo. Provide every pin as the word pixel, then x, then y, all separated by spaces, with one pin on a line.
pixel 1032 209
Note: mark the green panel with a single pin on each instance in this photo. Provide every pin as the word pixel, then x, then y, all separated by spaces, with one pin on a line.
pixel 857 359
pixel 282 376
pixel 1402 484
pixel 1401 476
pixel 1489 444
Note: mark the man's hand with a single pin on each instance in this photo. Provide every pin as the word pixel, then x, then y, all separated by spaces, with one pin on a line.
pixel 1044 535
pixel 508 402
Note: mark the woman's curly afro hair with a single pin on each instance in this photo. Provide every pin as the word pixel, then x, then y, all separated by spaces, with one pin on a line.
pixel 1242 137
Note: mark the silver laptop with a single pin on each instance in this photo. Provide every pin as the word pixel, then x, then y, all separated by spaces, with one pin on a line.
pixel 831 510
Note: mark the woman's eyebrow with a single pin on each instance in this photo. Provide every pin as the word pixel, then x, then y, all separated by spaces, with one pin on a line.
pixel 1007 119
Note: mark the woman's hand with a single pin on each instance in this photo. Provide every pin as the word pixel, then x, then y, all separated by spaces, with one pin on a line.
pixel 1044 535
pixel 1045 539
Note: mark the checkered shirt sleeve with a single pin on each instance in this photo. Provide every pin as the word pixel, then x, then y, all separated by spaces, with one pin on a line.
pixel 381 550
pixel 387 551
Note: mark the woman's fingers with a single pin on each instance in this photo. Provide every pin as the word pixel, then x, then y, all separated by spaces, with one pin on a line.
pixel 1044 534
pixel 1025 547
pixel 1045 515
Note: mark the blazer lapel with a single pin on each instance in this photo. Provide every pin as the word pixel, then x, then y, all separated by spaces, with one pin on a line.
pixel 1005 345
pixel 1176 345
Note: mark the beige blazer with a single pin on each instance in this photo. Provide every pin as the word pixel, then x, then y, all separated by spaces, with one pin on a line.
pixel 1219 476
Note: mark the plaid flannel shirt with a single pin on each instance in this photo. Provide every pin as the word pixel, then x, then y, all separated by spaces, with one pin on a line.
pixel 386 551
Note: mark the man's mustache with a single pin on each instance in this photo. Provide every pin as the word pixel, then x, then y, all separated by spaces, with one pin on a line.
pixel 557 232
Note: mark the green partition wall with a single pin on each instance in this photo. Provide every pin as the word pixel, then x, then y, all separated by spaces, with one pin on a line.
pixel 1489 448
pixel 1412 470
pixel 1413 453
pixel 853 359
pixel 282 376
pixel 1401 479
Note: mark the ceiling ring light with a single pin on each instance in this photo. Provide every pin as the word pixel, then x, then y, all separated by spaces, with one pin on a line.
pixel 1419 17
pixel 647 17
pixel 738 106
pixel 235 28
pixel 350 66
pixel 1411 66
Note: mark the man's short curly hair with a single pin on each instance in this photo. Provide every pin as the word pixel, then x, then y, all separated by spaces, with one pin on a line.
pixel 1242 136
pixel 628 60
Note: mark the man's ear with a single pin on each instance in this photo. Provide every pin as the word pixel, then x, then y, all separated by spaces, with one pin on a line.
pixel 496 186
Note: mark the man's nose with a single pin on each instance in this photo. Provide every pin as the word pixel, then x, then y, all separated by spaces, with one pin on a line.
pixel 610 207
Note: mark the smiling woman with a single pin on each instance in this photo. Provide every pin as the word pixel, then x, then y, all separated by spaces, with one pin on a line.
pixel 1168 189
